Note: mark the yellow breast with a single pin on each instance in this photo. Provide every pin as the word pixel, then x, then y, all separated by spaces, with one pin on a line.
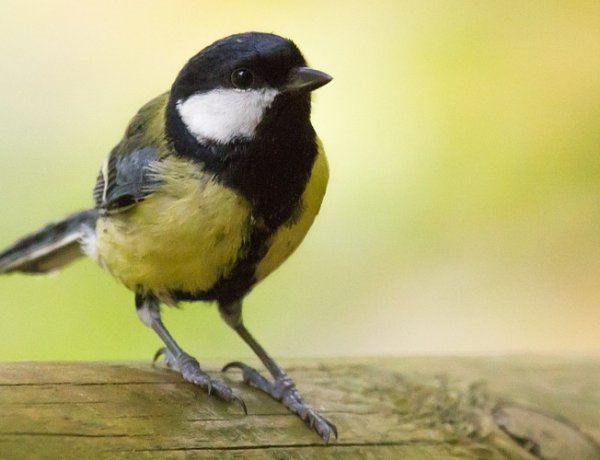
pixel 183 237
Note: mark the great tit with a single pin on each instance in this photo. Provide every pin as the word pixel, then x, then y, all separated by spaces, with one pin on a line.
pixel 213 185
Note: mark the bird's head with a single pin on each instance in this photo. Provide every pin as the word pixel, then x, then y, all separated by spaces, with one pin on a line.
pixel 225 91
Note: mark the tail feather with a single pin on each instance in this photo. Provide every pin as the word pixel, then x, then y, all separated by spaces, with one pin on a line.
pixel 50 248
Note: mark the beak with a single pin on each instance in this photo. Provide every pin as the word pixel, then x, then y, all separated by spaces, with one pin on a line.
pixel 306 79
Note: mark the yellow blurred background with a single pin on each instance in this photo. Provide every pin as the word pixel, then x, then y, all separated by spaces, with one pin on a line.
pixel 463 212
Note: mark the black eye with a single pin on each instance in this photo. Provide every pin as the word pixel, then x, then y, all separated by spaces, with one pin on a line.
pixel 242 78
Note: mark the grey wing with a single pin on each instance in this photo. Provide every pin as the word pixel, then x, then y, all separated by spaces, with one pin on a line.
pixel 125 179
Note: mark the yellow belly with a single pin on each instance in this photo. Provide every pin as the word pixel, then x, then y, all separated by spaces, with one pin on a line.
pixel 183 237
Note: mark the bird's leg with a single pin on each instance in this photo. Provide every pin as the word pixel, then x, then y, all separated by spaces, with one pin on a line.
pixel 282 388
pixel 148 310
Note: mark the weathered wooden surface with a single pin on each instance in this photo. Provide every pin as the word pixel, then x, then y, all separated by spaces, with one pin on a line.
pixel 402 408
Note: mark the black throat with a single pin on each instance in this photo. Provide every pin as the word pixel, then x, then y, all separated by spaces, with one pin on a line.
pixel 271 170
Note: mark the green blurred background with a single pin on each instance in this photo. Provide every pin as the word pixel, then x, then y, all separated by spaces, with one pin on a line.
pixel 463 211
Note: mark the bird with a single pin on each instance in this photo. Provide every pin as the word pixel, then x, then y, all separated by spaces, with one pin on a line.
pixel 213 185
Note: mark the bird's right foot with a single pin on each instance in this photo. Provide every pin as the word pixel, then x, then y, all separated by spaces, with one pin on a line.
pixel 190 370
pixel 283 389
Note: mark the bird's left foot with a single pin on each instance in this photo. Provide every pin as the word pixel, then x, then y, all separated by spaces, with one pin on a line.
pixel 283 389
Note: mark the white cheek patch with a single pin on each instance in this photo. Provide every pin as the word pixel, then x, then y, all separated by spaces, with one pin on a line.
pixel 222 115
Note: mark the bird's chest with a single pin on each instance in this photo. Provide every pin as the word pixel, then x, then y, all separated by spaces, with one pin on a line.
pixel 182 238
pixel 265 249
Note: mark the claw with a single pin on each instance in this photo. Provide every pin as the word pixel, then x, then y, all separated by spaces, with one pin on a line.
pixel 326 430
pixel 333 428
pixel 160 352
pixel 242 404
pixel 235 365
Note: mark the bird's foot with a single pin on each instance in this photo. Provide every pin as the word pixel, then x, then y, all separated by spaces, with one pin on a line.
pixel 190 370
pixel 284 390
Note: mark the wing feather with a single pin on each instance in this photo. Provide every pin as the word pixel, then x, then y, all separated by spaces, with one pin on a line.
pixel 125 178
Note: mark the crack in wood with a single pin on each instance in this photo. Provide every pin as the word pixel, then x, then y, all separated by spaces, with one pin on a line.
pixel 72 435
pixel 291 446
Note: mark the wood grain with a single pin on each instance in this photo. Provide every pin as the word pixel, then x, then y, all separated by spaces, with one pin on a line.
pixel 416 408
